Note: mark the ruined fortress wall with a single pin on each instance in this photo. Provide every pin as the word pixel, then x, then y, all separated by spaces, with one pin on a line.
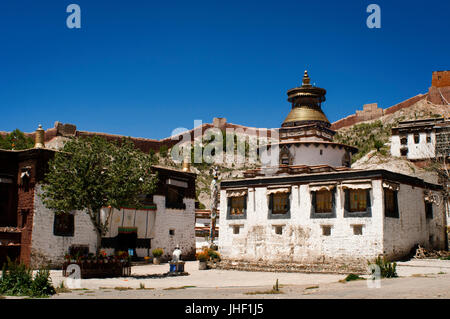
pixel 439 95
pixel 405 104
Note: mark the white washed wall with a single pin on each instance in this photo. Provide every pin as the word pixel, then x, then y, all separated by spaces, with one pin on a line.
pixel 150 224
pixel 155 224
pixel 51 247
pixel 182 221
pixel 421 150
pixel 310 155
pixel 402 234
pixel 302 239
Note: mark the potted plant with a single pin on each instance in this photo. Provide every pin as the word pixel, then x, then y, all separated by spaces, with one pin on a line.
pixel 202 258
pixel 157 253
pixel 147 259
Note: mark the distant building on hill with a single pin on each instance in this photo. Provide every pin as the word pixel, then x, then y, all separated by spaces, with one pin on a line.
pixel 421 139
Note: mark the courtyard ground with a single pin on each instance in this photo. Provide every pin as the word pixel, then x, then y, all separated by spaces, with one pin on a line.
pixel 428 278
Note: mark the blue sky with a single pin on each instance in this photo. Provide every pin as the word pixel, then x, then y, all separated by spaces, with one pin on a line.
pixel 144 68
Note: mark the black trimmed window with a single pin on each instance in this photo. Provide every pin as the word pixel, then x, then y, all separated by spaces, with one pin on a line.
pixel 174 197
pixel 237 207
pixel 390 203
pixel 64 225
pixel 279 205
pixel 404 151
pixel 416 138
pixel 323 203
pixel 403 140
pixel 357 203
pixel 428 210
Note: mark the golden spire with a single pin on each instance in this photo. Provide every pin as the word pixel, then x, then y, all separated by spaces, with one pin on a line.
pixel 186 164
pixel 306 80
pixel 306 104
pixel 39 138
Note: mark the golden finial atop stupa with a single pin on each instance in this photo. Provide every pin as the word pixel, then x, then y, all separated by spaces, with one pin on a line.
pixel 40 137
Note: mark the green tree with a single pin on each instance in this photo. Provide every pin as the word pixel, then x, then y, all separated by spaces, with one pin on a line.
pixel 163 151
pixel 16 140
pixel 91 173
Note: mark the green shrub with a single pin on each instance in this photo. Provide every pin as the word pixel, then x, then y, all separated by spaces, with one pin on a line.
pixel 17 280
pixel 42 284
pixel 352 277
pixel 387 269
pixel 163 151
pixel 213 254
pixel 157 252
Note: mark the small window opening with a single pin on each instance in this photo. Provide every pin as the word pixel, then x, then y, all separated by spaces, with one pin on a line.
pixel 326 230
pixel 357 229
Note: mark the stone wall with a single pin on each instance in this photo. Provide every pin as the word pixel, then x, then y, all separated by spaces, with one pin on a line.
pixel 370 111
pixel 405 104
pixel 373 112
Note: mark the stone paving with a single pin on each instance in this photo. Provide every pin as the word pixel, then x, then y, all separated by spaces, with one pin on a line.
pixel 417 279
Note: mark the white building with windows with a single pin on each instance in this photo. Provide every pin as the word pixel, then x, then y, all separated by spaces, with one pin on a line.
pixel 421 139
pixel 314 208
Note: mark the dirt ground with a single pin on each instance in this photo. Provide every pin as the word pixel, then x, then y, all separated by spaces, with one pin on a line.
pixel 417 279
